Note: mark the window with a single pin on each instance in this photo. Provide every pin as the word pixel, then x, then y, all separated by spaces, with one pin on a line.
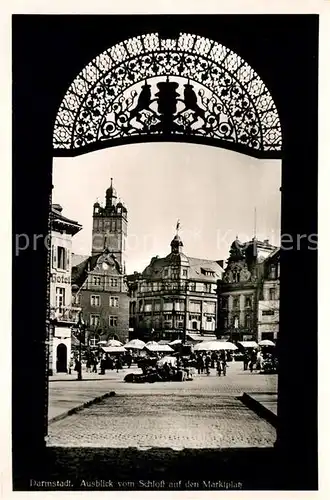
pixel 168 305
pixel 235 322
pixel 209 319
pixel 96 280
pixel 114 302
pixel 248 321
pixel 194 325
pixel 94 319
pixel 195 306
pixel 179 305
pixel 192 286
pixel 209 307
pixel 95 300
pixel 60 297
pixel 148 306
pixel 185 273
pixel 155 286
pixel 113 226
pixel 61 258
pixel 93 340
pixel 272 294
pixel 54 256
pixel 157 305
pixel 113 320
pixel 272 271
pixel 208 287
pixel 248 302
pixel 235 303
pixel 165 273
pixel 167 317
pixel 268 312
pixel 113 282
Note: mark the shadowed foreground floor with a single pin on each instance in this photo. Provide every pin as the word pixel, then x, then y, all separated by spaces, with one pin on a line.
pixel 245 468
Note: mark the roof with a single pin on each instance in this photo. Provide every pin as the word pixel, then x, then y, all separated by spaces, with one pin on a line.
pixel 82 266
pixel 57 219
pixel 194 267
pixel 78 259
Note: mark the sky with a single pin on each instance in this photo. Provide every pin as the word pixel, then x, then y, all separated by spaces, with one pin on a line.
pixel 212 191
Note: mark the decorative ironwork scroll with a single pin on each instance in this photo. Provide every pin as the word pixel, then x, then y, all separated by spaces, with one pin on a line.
pixel 185 86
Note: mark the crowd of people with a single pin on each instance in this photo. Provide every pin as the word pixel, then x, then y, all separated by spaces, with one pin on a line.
pixel 257 360
pixel 185 366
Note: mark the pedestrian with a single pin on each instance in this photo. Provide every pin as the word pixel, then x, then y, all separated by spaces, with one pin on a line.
pixel 214 358
pixel 102 365
pixel 94 363
pixel 199 363
pixel 77 366
pixel 223 362
pixel 88 364
pixel 118 364
pixel 129 359
pixel 253 360
pixel 245 360
pixel 259 360
pixel 207 363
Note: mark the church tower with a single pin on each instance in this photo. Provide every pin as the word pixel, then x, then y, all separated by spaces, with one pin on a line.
pixel 110 227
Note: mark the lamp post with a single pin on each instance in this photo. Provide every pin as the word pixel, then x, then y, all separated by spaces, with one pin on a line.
pixel 80 327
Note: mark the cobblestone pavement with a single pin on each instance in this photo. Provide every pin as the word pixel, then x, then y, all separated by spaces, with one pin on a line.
pixel 203 413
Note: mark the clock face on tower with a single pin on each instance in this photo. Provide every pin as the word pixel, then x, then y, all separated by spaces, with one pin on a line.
pixel 105 266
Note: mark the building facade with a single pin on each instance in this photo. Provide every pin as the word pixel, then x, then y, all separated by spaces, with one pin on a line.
pixel 174 297
pixel 241 289
pixel 98 281
pixel 63 314
pixel 269 300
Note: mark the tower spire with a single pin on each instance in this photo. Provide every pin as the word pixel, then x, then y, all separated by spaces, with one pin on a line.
pixel 255 224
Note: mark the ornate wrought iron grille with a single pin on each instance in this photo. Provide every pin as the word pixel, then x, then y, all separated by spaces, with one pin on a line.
pixel 148 86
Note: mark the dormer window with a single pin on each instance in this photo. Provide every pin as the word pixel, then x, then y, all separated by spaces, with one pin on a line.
pixel 208 272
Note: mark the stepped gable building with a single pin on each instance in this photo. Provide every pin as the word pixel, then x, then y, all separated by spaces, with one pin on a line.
pixel 174 297
pixel 63 315
pixel 241 289
pixel 98 281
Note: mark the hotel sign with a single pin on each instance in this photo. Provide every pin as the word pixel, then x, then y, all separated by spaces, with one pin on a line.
pixel 60 278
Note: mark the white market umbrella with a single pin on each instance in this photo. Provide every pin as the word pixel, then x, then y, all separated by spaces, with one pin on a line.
pixel 135 344
pixel 268 343
pixel 175 342
pixel 114 343
pixel 248 344
pixel 114 349
pixel 170 360
pixel 158 348
pixel 151 342
pixel 215 346
pixel 102 342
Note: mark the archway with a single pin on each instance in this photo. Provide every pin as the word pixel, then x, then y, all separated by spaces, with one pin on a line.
pixel 187 89
pixel 149 88
pixel 37 94
pixel 61 358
